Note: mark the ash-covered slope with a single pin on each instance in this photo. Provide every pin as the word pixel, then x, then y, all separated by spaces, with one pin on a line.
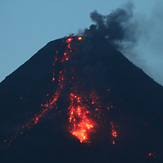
pixel 80 100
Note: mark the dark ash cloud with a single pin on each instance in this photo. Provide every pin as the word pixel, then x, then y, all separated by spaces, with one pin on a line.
pixel 114 26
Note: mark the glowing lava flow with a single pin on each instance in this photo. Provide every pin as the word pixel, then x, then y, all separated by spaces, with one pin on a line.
pixel 81 124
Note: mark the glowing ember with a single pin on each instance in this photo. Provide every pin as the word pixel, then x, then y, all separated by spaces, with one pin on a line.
pixel 114 133
pixel 151 155
pixel 69 46
pixel 81 124
pixel 53 79
pixel 80 38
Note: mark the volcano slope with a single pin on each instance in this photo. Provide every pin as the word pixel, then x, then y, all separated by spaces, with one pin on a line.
pixel 78 99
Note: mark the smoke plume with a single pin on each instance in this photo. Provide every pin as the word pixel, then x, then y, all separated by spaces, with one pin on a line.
pixel 113 27
pixel 139 38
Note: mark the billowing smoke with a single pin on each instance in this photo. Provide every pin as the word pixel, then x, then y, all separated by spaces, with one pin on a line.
pixel 113 27
pixel 139 38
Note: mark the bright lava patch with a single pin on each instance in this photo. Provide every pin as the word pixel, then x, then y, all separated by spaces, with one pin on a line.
pixel 81 125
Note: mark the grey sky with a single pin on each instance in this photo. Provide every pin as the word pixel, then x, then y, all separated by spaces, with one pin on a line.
pixel 26 26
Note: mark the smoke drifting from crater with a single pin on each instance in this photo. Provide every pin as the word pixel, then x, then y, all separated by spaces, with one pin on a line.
pixel 114 27
pixel 137 36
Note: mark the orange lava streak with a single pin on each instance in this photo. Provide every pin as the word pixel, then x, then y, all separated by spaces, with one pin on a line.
pixel 113 131
pixel 81 125
pixel 46 107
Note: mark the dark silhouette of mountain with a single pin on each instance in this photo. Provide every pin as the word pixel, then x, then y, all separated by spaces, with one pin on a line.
pixel 37 100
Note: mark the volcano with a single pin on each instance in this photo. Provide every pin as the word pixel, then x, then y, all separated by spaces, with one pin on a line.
pixel 78 99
